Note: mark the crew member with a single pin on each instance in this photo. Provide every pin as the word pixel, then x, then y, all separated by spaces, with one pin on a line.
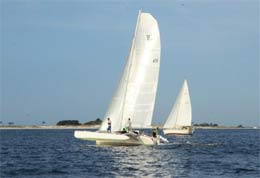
pixel 108 125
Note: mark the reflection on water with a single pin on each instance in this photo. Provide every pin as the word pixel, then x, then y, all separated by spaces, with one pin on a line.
pixel 56 153
pixel 167 160
pixel 138 161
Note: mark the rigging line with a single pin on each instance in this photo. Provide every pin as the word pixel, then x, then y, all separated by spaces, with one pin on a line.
pixel 129 70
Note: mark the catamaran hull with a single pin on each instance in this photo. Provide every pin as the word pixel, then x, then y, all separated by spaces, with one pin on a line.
pixel 188 131
pixel 142 140
pixel 115 139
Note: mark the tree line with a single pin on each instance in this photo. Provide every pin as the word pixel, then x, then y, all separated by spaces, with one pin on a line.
pixel 76 122
pixel 206 125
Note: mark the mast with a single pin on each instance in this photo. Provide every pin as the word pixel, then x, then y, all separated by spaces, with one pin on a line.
pixel 136 91
pixel 129 69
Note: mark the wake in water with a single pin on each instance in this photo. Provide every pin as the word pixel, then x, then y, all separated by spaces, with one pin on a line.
pixel 56 153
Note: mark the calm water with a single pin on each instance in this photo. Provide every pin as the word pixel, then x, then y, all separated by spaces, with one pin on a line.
pixel 56 153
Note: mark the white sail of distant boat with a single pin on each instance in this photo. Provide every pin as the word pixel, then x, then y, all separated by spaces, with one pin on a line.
pixel 135 95
pixel 180 119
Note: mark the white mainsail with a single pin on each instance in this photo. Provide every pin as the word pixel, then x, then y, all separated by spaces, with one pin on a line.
pixel 136 92
pixel 181 112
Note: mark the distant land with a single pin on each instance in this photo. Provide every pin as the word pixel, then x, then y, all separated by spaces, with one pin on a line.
pixel 63 124
pixel 75 124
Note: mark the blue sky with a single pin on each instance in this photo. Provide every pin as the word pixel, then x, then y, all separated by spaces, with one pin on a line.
pixel 63 59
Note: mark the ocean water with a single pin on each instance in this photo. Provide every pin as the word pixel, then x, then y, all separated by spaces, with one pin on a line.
pixel 56 153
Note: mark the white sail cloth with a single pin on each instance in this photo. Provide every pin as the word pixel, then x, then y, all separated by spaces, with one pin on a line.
pixel 136 92
pixel 181 114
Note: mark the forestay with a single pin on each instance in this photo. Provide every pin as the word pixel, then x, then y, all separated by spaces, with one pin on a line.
pixel 136 92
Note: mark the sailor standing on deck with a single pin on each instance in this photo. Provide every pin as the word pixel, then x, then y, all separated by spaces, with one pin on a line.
pixel 108 125
pixel 156 135
pixel 155 132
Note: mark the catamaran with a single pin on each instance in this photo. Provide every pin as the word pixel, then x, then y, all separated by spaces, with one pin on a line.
pixel 136 92
pixel 179 120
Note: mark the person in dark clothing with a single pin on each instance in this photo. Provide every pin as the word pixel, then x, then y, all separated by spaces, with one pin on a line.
pixel 124 130
pixel 155 132
pixel 108 125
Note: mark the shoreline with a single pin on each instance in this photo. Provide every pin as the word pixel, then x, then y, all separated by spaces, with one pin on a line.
pixel 223 128
pixel 81 127
pixel 47 127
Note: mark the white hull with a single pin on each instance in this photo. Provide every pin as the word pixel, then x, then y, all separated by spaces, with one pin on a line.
pixel 115 139
pixel 188 131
